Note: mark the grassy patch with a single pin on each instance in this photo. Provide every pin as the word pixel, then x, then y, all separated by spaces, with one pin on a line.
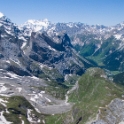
pixel 64 118
pixel 57 90
pixel 54 119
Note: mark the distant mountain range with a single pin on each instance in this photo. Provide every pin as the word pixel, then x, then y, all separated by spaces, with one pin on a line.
pixel 98 43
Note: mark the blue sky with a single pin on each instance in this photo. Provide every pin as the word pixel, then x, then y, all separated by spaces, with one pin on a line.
pixel 106 12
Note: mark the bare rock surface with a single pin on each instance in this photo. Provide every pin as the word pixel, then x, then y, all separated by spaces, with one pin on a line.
pixel 112 114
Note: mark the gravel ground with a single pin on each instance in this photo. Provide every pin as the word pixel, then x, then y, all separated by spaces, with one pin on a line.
pixel 11 84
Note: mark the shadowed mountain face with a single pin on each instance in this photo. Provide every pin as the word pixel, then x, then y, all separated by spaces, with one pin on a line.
pixel 59 55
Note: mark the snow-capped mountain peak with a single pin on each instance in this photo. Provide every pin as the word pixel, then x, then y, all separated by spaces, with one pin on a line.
pixel 36 25
pixel 1 14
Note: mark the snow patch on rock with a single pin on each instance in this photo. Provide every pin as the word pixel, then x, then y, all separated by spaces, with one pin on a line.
pixel 3 119
pixel 1 15
pixel 3 102
pixel 19 89
pixel 118 36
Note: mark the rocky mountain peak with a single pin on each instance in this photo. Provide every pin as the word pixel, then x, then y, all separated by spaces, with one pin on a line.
pixel 35 25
